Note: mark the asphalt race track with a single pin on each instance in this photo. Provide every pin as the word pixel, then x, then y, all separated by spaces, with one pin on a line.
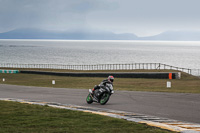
pixel 178 106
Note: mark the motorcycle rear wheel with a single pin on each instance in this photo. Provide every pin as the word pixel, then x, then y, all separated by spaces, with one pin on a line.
pixel 89 99
pixel 104 98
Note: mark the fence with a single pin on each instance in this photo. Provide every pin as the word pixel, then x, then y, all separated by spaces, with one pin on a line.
pixel 195 72
pixel 132 66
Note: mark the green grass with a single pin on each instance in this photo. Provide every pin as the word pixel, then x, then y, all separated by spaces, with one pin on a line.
pixel 187 84
pixel 22 118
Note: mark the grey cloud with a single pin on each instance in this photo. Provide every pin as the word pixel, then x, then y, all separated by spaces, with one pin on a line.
pixel 45 13
pixel 155 15
pixel 134 16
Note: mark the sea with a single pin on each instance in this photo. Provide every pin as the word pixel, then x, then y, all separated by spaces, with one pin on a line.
pixel 184 54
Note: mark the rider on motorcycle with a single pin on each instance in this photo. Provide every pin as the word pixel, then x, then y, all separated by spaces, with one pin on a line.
pixel 104 83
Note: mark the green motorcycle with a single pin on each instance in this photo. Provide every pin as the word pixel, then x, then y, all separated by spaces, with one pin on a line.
pixel 101 95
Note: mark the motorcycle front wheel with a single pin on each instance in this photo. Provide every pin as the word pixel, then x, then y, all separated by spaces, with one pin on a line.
pixel 89 99
pixel 104 98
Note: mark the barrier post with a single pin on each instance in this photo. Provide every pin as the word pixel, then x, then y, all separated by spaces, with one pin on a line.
pixel 53 82
pixel 168 84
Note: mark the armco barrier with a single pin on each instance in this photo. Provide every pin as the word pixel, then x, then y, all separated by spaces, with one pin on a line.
pixel 155 75
pixel 9 71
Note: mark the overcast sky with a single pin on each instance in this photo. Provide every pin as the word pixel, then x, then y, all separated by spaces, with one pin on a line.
pixel 141 17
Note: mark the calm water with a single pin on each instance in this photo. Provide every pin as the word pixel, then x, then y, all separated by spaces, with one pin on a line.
pixel 180 54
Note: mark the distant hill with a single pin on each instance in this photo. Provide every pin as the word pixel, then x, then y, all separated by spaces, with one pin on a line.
pixel 28 33
pixel 175 36
pixel 72 35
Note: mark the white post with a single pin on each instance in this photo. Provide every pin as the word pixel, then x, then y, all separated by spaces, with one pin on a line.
pixel 53 82
pixel 168 84
pixel 179 75
pixel 4 80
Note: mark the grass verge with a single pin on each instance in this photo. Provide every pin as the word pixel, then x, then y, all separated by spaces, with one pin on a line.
pixel 187 84
pixel 18 117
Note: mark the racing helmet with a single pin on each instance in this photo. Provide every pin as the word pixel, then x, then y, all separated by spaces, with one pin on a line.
pixel 110 78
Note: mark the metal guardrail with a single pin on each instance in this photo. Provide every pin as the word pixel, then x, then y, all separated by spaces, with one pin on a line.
pixel 131 66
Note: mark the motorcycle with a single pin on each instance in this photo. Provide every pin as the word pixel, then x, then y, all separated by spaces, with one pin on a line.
pixel 100 95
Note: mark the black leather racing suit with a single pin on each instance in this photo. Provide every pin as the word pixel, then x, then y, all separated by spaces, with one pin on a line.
pixel 103 84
